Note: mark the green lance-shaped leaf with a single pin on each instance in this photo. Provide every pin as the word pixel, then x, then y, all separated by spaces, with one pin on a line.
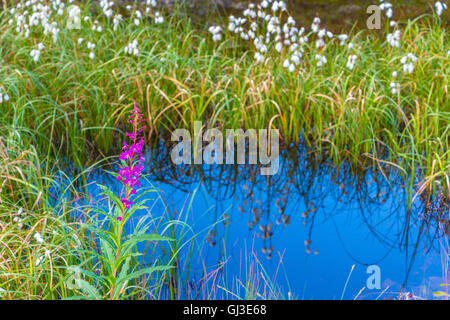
pixel 141 272
pixel 89 290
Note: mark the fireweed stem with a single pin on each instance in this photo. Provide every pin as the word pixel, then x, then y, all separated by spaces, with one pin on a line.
pixel 131 167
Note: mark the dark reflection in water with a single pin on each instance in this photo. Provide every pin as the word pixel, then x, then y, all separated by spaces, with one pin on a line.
pixel 310 191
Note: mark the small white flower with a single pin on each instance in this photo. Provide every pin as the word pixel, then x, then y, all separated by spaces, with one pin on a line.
pixel 91 55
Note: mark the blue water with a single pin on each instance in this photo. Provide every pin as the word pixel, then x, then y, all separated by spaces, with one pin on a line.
pixel 351 220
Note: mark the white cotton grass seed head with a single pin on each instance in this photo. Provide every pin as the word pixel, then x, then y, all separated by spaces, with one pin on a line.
pixel 37 236
pixel 216 33
pixel 393 39
pixel 117 18
pixel 3 96
pixel 389 13
pixel 342 38
pixel 408 62
pixel 351 62
pixel 35 54
pixel 321 60
pixel 159 18
pixel 259 57
pixel 395 87
pixel 41 258
pixel 440 7
pixel 132 48
pixel 315 25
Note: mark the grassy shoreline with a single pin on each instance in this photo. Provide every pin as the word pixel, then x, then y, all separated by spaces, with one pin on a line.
pixel 72 106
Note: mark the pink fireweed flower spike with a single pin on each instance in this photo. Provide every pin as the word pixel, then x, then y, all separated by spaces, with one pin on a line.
pixel 131 158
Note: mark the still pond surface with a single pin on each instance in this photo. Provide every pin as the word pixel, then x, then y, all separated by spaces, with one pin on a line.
pixel 317 220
